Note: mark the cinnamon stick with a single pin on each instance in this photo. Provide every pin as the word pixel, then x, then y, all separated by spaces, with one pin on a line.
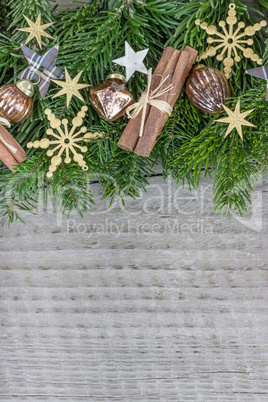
pixel 11 152
pixel 156 120
pixel 11 145
pixel 130 135
pixel 7 158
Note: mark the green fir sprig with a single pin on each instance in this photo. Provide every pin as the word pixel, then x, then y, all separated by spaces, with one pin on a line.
pixel 191 145
pixel 235 164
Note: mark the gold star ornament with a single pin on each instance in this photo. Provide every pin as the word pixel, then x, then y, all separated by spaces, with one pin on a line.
pixel 36 30
pixel 70 87
pixel 236 119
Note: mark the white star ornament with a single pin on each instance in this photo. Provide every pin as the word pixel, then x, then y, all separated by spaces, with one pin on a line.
pixel 133 61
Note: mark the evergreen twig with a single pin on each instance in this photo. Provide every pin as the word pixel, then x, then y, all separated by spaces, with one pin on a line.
pixel 191 143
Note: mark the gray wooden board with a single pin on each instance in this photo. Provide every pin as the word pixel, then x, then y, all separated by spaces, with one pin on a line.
pixel 157 300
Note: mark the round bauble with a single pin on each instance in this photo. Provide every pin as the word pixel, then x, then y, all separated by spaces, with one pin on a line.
pixel 16 102
pixel 207 89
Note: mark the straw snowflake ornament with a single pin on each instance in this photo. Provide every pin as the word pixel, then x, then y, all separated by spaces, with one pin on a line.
pixel 229 42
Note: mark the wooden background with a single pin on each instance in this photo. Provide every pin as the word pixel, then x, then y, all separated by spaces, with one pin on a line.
pixel 160 300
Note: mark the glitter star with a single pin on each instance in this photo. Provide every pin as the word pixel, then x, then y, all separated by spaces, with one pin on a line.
pixel 36 30
pixel 65 141
pixel 70 87
pixel 230 41
pixel 236 119
pixel 132 61
pixel 260 72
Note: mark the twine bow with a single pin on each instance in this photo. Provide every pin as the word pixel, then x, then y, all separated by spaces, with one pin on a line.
pixel 12 149
pixel 149 98
pixel 5 122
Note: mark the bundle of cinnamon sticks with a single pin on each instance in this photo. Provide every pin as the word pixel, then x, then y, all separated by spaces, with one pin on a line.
pixel 11 152
pixel 175 65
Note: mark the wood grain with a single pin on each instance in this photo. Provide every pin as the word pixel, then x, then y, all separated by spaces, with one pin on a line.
pixel 6 156
pixel 157 300
pixel 62 4
pixel 11 145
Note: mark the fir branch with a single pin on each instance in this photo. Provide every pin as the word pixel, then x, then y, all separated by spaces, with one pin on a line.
pixel 8 59
pixel 95 38
pixel 4 20
pixel 191 143
pixel 69 188
pixel 193 155
pixel 73 196
pixel 19 8
pixel 185 122
pixel 20 190
pixel 236 164
pixel 100 37
pixel 120 173
pixel 211 12
pixel 235 176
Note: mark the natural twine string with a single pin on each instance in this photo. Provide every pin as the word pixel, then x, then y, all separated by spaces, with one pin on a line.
pixel 5 122
pixel 149 98
pixel 12 149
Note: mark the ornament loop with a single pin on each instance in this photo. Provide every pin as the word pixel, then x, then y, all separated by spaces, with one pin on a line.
pixel 115 68
pixel 9 146
pixel 5 122
pixel 39 79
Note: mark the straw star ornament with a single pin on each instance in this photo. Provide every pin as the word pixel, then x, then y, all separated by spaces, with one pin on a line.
pixel 65 140
pixel 70 87
pixel 36 30
pixel 230 41
pixel 236 119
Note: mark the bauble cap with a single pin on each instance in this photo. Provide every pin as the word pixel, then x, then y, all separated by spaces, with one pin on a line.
pixel 27 87
pixel 117 76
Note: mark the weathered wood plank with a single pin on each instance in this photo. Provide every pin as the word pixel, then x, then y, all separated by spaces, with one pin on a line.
pixel 62 4
pixel 157 300
pixel 139 312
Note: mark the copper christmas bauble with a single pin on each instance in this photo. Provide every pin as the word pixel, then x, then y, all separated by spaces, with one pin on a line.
pixel 207 89
pixel 112 97
pixel 16 102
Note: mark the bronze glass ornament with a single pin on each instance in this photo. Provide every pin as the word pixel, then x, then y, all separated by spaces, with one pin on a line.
pixel 207 89
pixel 16 102
pixel 111 98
